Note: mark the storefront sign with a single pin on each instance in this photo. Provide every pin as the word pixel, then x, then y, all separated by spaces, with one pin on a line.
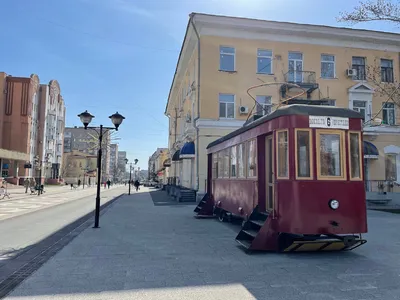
pixel 328 122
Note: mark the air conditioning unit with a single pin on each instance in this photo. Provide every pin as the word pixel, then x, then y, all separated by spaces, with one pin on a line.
pixel 243 109
pixel 351 72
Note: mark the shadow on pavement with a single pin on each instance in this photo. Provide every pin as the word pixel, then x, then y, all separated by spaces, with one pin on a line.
pixel 161 198
pixel 18 264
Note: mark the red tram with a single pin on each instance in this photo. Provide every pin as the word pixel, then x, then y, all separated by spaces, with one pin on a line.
pixel 296 178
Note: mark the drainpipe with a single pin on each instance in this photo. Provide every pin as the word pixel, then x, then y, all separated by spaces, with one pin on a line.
pixel 198 101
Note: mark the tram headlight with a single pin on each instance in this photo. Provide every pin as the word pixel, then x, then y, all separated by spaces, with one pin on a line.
pixel 334 204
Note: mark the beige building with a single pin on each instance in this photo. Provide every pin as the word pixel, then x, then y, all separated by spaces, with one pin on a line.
pixel 79 165
pixel 86 140
pixel 222 57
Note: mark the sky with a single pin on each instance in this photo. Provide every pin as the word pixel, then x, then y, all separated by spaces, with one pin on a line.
pixel 120 55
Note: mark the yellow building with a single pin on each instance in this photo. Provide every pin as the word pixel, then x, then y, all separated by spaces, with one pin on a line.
pixel 159 163
pixel 79 166
pixel 222 57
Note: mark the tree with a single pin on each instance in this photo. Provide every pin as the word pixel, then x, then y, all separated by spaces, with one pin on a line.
pixel 388 88
pixel 378 10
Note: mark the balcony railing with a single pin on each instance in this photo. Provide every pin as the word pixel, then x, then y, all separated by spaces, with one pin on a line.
pixel 381 186
pixel 302 77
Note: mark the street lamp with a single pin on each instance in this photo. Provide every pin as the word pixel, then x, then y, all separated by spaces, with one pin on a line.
pixel 130 175
pixel 39 166
pixel 86 118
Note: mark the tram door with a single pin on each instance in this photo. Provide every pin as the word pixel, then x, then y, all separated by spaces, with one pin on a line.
pixel 269 173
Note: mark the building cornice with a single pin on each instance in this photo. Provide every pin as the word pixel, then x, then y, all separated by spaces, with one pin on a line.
pixel 296 33
pixel 374 130
pixel 219 124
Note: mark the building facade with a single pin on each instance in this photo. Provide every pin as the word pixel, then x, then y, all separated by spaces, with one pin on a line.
pixel 224 60
pixel 158 165
pixel 122 166
pixel 51 130
pixel 114 173
pixel 31 122
pixel 81 166
pixel 86 141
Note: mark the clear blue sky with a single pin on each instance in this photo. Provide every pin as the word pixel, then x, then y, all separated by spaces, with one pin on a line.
pixel 120 55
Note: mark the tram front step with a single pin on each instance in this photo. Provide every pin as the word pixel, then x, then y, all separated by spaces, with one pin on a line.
pixel 244 243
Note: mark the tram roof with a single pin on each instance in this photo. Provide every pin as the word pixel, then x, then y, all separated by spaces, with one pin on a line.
pixel 294 109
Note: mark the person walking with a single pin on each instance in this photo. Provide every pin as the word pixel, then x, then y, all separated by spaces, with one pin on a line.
pixel 26 184
pixel 108 183
pixel 79 182
pixel 136 184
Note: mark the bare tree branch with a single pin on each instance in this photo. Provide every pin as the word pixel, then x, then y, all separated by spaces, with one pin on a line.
pixel 378 10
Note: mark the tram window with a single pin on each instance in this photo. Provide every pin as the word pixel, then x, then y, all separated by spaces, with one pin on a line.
pixel 355 155
pixel 220 164
pixel 303 153
pixel 282 154
pixel 241 161
pixel 251 159
pixel 215 165
pixel 330 156
pixel 233 161
pixel 225 154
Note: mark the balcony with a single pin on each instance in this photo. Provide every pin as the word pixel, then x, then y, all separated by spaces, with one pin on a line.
pixel 304 79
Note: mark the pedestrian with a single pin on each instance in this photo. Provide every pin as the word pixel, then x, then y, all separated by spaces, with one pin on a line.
pixel 136 184
pixel 79 182
pixel 108 183
pixel 26 184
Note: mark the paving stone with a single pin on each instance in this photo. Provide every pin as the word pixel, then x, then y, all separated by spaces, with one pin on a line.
pixel 161 252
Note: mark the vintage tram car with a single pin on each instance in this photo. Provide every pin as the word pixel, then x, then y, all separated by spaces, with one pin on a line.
pixel 295 176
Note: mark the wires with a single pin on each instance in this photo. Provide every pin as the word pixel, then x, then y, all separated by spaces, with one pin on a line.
pixel 280 102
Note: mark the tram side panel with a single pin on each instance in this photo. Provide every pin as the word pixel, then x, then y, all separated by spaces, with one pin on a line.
pixel 231 195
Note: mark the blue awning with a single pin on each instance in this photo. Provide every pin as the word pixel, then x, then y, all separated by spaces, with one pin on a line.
pixel 187 150
pixel 370 150
pixel 175 157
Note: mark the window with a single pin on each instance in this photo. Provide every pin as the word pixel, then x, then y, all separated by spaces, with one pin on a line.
pixel 358 63
pixel 282 154
pixel 327 66
pixel 387 70
pixel 227 59
pixel 241 161
pixel 391 167
pixel 388 114
pixel 226 106
pixel 361 107
pixel 264 105
pixel 220 164
pixel 330 156
pixel 233 161
pixel 251 159
pixel 355 155
pixel 295 67
pixel 303 154
pixel 215 165
pixel 225 154
pixel 264 61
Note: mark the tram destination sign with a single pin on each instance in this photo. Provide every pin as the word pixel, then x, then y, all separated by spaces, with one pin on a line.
pixel 328 122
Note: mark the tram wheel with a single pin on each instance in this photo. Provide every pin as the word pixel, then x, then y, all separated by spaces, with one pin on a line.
pixel 221 216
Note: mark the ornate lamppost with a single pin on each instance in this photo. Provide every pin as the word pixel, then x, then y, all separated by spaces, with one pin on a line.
pixel 86 118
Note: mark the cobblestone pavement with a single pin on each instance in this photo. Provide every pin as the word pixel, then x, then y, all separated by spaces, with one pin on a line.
pixel 144 251
pixel 20 205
